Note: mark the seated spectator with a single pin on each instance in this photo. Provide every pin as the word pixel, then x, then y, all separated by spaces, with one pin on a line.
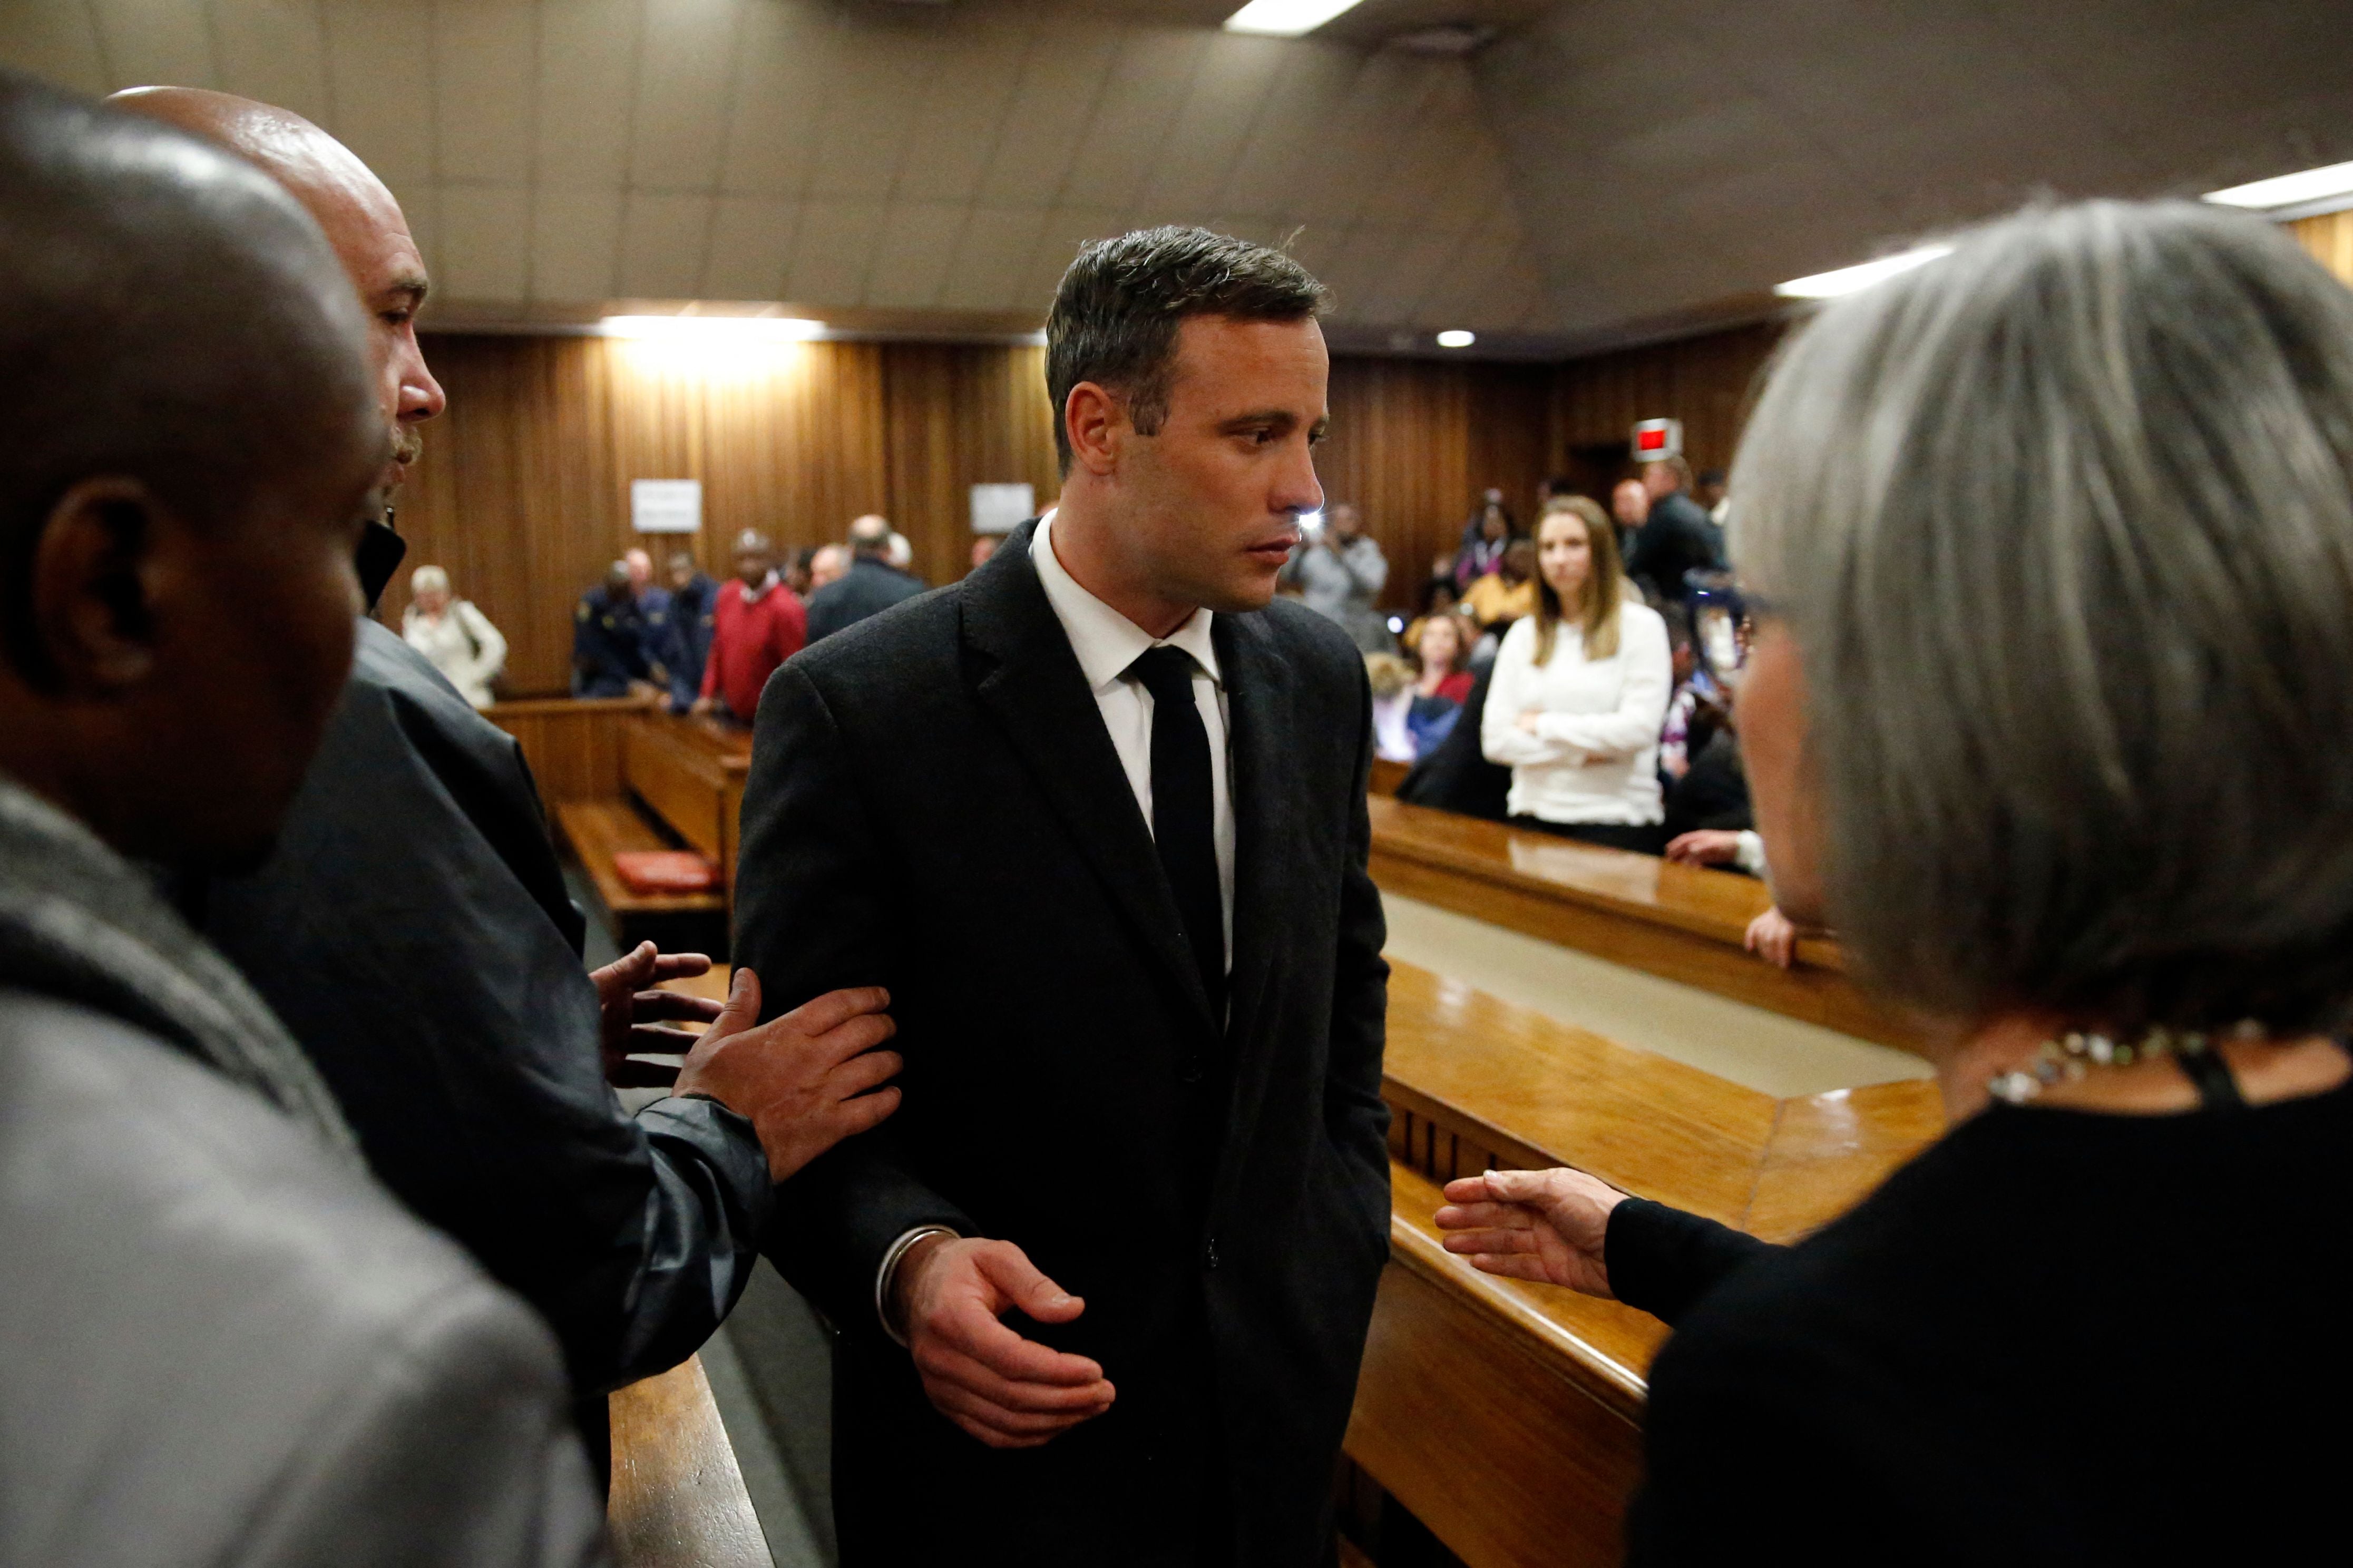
pixel 1675 537
pixel 1581 691
pixel 1443 654
pixel 227 1345
pixel 983 545
pixel 458 638
pixel 2076 830
pixel 1340 573
pixel 689 624
pixel 827 563
pixel 1490 529
pixel 1454 775
pixel 609 640
pixel 870 586
pixel 760 624
pixel 1507 593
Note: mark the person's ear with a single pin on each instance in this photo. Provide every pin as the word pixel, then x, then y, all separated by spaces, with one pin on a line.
pixel 1096 419
pixel 98 572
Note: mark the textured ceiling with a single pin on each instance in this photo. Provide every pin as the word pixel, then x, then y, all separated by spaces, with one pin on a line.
pixel 1603 170
pixel 1681 155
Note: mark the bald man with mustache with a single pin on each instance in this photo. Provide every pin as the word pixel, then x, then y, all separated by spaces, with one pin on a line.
pixel 415 933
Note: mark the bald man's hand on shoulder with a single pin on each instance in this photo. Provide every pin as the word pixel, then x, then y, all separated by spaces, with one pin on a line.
pixel 807 1079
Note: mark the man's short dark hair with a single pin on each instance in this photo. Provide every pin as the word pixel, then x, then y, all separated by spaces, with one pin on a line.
pixel 1117 313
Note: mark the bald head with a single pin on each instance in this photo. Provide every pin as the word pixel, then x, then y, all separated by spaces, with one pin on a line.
pixel 171 315
pixel 357 214
pixel 871 535
pixel 188 440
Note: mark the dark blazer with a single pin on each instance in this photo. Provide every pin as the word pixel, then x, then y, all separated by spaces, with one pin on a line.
pixel 935 804
pixel 412 931
pixel 867 588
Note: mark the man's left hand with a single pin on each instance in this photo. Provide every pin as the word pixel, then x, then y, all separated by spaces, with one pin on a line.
pixel 634 1014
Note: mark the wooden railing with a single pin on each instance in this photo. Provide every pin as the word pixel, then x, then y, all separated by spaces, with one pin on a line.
pixel 1678 921
pixel 1505 1415
pixel 573 743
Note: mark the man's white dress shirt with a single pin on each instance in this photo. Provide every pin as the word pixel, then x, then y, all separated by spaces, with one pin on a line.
pixel 1107 642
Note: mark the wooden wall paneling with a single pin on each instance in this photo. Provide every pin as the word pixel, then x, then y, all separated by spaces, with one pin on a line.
pixel 960 414
pixel 1705 382
pixel 2330 238
pixel 1413 442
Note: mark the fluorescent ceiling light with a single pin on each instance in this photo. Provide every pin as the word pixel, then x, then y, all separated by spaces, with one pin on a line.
pixel 1847 280
pixel 712 329
pixel 1285 18
pixel 2289 190
pixel 1457 339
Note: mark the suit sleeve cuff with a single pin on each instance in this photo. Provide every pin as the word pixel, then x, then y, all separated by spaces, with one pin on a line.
pixel 886 1275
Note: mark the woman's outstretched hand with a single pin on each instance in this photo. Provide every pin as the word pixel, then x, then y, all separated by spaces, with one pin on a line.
pixel 1546 1226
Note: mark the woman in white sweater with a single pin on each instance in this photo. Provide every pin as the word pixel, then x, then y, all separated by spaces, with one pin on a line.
pixel 1580 691
pixel 458 638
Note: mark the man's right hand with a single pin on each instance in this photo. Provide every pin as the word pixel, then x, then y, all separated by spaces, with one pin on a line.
pixel 1010 1392
pixel 1705 846
pixel 808 1079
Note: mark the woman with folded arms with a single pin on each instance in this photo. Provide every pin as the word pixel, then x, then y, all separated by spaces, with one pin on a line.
pixel 2055 539
pixel 1579 693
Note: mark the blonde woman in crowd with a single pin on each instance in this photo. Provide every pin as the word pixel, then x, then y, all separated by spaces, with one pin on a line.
pixel 458 638
pixel 1580 691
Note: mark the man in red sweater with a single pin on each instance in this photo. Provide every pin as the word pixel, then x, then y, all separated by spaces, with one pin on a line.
pixel 761 623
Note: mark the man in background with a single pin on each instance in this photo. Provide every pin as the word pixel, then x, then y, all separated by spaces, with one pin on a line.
pixel 983 545
pixel 693 619
pixel 870 586
pixel 1676 536
pixel 1340 573
pixel 652 597
pixel 761 623
pixel 828 563
pixel 610 637
pixel 1096 815
pixel 224 1343
pixel 414 932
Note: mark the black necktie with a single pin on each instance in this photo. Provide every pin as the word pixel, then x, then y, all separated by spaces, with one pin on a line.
pixel 1183 812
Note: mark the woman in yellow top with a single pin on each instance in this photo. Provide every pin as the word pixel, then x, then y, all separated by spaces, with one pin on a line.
pixel 1508 592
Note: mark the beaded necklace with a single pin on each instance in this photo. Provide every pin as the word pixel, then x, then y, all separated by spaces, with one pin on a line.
pixel 2071 1056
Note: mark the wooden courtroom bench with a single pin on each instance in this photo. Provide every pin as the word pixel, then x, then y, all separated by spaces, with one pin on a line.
pixel 1506 1417
pixel 597 830
pixel 1681 922
pixel 690 772
pixel 678 1497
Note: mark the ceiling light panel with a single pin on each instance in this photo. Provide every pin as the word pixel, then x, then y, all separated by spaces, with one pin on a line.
pixel 1847 280
pixel 2289 190
pixel 1285 18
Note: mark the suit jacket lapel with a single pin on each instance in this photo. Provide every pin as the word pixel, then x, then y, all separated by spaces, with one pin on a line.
pixel 1031 681
pixel 1258 705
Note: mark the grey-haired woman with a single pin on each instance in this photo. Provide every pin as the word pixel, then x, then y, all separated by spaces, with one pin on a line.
pixel 2055 539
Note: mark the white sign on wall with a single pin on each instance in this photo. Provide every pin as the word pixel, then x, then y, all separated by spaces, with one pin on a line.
pixel 666 506
pixel 1001 509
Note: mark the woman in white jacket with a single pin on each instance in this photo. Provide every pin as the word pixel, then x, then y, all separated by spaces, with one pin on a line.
pixel 1580 691
pixel 458 638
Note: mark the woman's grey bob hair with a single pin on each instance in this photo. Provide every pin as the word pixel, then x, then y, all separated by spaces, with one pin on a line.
pixel 2063 527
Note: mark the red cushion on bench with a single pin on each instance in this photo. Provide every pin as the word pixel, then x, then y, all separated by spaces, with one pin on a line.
pixel 649 872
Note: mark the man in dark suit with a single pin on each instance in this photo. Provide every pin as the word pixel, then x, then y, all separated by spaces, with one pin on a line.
pixel 871 586
pixel 1096 816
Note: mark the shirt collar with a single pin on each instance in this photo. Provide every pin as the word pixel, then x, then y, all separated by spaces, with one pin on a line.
pixel 753 595
pixel 1106 641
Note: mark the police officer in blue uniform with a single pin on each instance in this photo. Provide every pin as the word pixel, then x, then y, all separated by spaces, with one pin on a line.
pixel 609 638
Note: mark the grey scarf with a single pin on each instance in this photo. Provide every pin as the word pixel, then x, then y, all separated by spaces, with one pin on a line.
pixel 81 923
